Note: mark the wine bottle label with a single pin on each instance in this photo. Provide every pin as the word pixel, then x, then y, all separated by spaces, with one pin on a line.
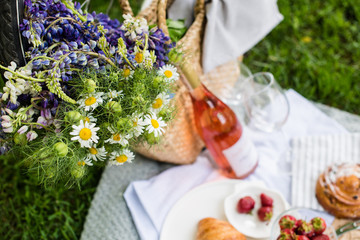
pixel 242 156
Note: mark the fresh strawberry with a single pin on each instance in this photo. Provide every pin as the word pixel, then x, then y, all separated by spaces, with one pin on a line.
pixel 319 225
pixel 311 234
pixel 321 237
pixel 265 213
pixel 288 231
pixel 287 234
pixel 287 222
pixel 266 201
pixel 303 228
pixel 245 205
pixel 301 237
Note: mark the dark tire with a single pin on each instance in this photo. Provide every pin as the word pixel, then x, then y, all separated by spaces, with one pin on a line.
pixel 11 46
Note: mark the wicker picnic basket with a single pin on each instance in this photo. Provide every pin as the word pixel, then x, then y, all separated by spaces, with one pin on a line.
pixel 181 144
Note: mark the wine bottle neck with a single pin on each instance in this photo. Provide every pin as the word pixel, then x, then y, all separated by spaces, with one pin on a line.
pixel 192 78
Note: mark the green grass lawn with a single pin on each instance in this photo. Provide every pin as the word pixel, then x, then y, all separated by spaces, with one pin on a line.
pixel 315 50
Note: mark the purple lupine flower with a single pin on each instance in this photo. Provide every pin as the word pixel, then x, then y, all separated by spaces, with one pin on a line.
pixel 31 135
pixel 158 43
pixel 23 129
pixel 43 121
pixel 71 36
pixel 12 106
pixel 73 45
pixel 94 63
pixel 46 113
pixel 82 60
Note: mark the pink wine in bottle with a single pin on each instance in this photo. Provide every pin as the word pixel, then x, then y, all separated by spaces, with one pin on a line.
pixel 222 133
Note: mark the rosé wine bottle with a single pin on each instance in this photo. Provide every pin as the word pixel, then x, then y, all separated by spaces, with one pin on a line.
pixel 233 152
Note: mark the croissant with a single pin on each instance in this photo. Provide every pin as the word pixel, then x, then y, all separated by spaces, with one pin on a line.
pixel 214 229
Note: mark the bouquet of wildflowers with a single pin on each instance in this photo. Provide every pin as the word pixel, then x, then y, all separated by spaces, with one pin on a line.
pixel 91 89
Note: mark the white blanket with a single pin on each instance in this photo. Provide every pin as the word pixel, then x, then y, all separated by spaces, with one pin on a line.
pixel 149 201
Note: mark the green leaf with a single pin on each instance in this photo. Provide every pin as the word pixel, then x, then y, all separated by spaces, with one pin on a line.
pixel 177 29
pixel 175 24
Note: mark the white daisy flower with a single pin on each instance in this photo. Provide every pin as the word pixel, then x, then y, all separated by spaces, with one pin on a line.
pixel 85 133
pixel 120 157
pixel 169 72
pixel 138 125
pixel 127 73
pixel 114 94
pixel 91 101
pixel 96 153
pixel 160 101
pixel 117 138
pixel 154 124
pixel 84 162
pixel 88 117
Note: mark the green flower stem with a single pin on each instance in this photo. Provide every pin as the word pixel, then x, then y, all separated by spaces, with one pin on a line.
pixel 56 114
pixel 22 76
pixel 34 104
pixel 27 109
pixel 128 62
pixel 70 6
pixel 122 51
pixel 40 57
pixel 98 56
pixel 38 124
pixel 52 47
pixel 40 74
pixel 146 42
pixel 59 20
pixel 75 70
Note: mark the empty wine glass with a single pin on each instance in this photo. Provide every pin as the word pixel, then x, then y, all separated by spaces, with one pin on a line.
pixel 234 97
pixel 266 105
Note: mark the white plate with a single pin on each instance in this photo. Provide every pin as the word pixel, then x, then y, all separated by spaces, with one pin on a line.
pixel 204 201
pixel 249 224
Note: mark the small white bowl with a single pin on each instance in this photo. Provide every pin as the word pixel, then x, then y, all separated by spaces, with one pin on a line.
pixel 249 224
pixel 305 214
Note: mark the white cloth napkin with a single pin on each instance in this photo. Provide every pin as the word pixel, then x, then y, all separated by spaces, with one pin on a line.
pixel 232 28
pixel 149 201
pixel 311 155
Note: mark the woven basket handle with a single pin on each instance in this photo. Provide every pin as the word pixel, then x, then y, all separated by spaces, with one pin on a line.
pixel 125 7
pixel 198 24
pixel 162 17
pixel 161 14
pixel 150 12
